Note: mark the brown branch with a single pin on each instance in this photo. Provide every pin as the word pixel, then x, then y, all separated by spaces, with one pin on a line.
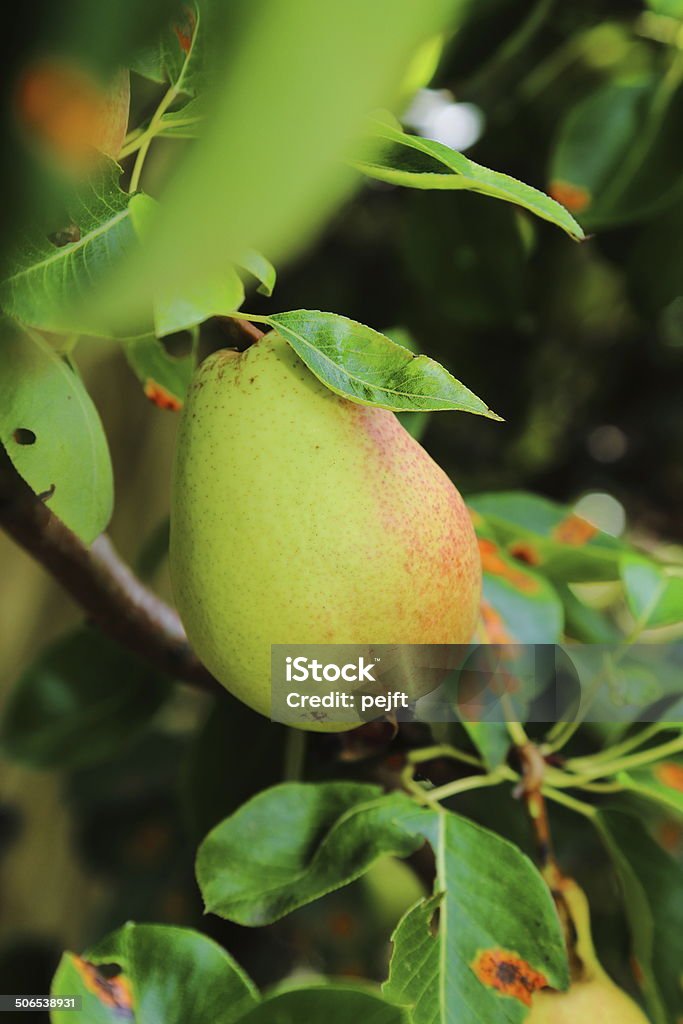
pixel 99 581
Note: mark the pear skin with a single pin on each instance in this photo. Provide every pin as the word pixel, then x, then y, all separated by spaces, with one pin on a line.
pixel 592 997
pixel 299 517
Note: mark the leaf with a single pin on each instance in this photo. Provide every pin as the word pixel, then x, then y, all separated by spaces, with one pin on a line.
pixel 164 377
pixel 549 537
pixel 52 275
pixel 53 434
pixel 333 1004
pixel 662 783
pixel 519 605
pixel 415 162
pixel 652 884
pixel 499 938
pixel 306 840
pixel 82 700
pixel 178 56
pixel 617 158
pixel 366 367
pixel 654 596
pixel 185 123
pixel 181 307
pixel 170 974
pixel 262 269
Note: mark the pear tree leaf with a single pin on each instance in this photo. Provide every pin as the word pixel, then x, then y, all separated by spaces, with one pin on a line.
pixel 260 268
pixel 661 783
pixel 180 308
pixel 652 885
pixel 654 596
pixel 401 159
pixel 178 57
pixel 165 378
pixel 167 973
pixel 186 122
pixel 498 940
pixel 53 434
pixel 549 537
pixel 366 367
pixel 79 702
pixel 333 1003
pixel 53 272
pixel 305 839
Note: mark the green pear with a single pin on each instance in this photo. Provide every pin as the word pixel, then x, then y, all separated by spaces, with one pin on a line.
pixel 592 997
pixel 299 517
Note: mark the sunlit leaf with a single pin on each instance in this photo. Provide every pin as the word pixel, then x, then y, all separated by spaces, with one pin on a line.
pixel 655 597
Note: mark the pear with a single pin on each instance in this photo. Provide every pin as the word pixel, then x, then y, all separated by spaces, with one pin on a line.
pixel 592 997
pixel 299 517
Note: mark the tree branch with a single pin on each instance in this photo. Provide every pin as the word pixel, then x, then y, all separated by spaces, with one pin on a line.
pixel 100 582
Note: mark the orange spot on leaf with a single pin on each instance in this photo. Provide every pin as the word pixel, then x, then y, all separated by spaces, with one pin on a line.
pixel 112 992
pixel 493 562
pixel 575 197
pixel 574 531
pixel 671 775
pixel 508 974
pixel 161 397
pixel 185 31
pixel 496 631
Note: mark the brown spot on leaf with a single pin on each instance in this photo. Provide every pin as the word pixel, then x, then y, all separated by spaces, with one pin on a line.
pixel 46 495
pixel 670 774
pixel 508 974
pixel 574 197
pixel 161 396
pixel 494 563
pixel 574 531
pixel 112 992
pixel 185 30
pixel 525 552
pixel 22 435
pixel 66 236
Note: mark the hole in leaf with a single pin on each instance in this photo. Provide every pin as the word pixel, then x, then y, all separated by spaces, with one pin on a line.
pixel 65 236
pixel 22 435
pixel 178 345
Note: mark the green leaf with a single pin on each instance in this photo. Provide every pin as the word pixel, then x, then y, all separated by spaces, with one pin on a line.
pixel 79 703
pixel 53 434
pixel 366 367
pixel 180 308
pixel 495 911
pixel 549 537
pixel 185 123
pixel 164 377
pixel 52 275
pixel 409 160
pixel 178 56
pixel 661 783
pixel 491 739
pixel 333 1004
pixel 617 158
pixel 262 269
pixel 654 596
pixel 415 423
pixel 170 975
pixel 304 840
pixel 652 884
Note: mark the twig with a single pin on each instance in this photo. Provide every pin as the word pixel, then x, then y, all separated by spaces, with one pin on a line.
pixel 100 582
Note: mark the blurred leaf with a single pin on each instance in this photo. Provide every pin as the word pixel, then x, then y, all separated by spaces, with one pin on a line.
pixel 170 974
pixel 652 884
pixel 422 163
pixel 481 964
pixel 519 606
pixel 189 303
pixel 51 275
pixel 582 622
pixel 262 269
pixel 669 8
pixel 491 739
pixel 186 123
pixel 655 261
pixel 273 202
pixel 234 755
pixel 79 703
pixel 654 596
pixel 307 839
pixel 549 537
pixel 363 365
pixel 618 154
pixel 662 782
pixel 467 257
pixel 333 1004
pixel 164 377
pixel 53 434
pixel 178 57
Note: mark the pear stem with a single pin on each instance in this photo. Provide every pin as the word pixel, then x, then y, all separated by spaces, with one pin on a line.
pixel 99 581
